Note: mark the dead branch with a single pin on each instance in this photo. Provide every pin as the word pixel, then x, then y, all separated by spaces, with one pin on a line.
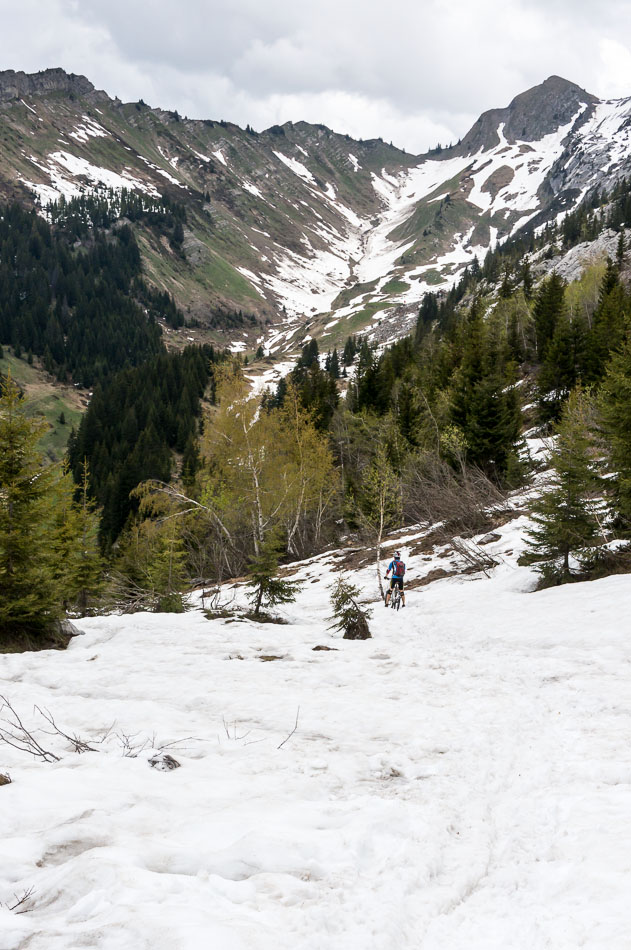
pixel 473 555
pixel 287 738
pixel 234 736
pixel 78 744
pixel 20 901
pixel 19 737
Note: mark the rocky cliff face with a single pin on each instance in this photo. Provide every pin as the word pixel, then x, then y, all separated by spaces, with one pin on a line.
pixel 19 85
pixel 531 115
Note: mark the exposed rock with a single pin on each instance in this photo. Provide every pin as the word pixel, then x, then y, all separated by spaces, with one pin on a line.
pixel 5 779
pixel 67 629
pixel 489 538
pixel 163 762
pixel 16 85
pixel 324 648
pixel 531 115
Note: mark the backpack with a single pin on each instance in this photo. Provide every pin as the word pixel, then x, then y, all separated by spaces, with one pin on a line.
pixel 398 568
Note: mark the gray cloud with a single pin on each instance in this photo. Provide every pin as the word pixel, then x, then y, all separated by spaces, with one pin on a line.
pixel 411 72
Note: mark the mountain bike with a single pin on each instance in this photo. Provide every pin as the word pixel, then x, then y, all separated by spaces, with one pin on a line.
pixel 395 597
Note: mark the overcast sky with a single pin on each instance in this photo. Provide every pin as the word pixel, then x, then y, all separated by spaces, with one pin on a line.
pixel 414 72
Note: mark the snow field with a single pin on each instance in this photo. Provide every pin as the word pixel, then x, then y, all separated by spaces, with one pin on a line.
pixel 462 780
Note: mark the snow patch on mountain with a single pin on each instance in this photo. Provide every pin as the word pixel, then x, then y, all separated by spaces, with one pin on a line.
pixel 71 175
pixel 296 167
pixel 527 164
pixel 88 129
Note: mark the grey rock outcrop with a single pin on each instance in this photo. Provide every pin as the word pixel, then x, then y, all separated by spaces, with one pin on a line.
pixel 17 85
pixel 531 115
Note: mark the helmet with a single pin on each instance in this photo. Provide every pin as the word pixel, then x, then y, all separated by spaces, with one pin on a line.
pixel 397 554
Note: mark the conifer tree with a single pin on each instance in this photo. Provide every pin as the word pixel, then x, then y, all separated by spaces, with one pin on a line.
pixel 28 599
pixel 566 513
pixel 615 406
pixel 526 278
pixel 166 567
pixel 334 365
pixel 348 617
pixel 549 307
pixel 86 579
pixel 268 589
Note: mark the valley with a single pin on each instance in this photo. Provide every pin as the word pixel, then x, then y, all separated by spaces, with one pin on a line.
pixel 302 229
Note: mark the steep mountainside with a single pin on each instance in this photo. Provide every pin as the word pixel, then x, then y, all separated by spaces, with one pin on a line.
pixel 310 231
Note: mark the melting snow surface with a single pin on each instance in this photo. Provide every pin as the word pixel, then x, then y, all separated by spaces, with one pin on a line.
pixel 461 781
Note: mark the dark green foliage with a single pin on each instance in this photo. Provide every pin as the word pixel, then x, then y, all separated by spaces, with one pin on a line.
pixel 80 216
pixel 608 325
pixel 316 387
pixel 549 308
pixel 224 319
pixel 309 356
pixel 348 617
pixel 28 600
pixel 350 351
pixel 565 514
pixel 563 365
pixel 615 405
pixel 74 308
pixel 427 315
pixel 526 279
pixel 133 423
pixel 332 365
pixel 268 589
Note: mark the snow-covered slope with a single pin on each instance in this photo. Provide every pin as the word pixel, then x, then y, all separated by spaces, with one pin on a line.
pixel 460 781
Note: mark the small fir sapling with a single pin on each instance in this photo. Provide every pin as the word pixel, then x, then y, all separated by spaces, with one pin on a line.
pixel 268 590
pixel 349 618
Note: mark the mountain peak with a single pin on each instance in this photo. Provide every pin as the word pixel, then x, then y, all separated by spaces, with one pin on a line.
pixel 532 114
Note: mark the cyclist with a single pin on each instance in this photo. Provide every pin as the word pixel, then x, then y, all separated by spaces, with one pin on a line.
pixel 398 570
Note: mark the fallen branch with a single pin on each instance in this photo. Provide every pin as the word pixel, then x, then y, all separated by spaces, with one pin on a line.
pixel 20 738
pixel 19 901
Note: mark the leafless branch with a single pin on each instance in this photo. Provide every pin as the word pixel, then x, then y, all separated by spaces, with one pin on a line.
pixel 287 738
pixel 78 744
pixel 19 737
pixel 234 735
pixel 20 901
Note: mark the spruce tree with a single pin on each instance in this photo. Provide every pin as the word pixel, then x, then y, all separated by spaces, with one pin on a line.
pixel 268 589
pixel 526 278
pixel 348 617
pixel 77 563
pixel 549 307
pixel 334 365
pixel 566 513
pixel 615 406
pixel 28 599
